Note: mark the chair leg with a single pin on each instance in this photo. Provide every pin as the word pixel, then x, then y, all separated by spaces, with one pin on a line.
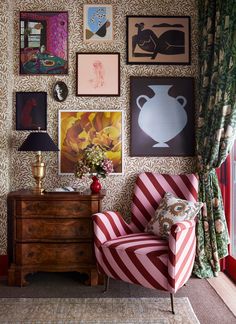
pixel 172 303
pixel 107 281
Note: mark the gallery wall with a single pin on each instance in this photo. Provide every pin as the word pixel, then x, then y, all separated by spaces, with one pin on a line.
pixel 15 171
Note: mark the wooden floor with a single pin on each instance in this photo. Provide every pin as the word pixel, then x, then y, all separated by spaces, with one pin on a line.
pixel 226 289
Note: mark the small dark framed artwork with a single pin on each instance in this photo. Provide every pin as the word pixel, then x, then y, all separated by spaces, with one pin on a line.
pixel 43 42
pixel 162 116
pixel 31 110
pixel 97 74
pixel 158 40
pixel 60 91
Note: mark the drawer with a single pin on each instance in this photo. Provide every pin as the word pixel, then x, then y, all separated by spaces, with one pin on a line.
pixel 54 254
pixel 53 229
pixel 53 208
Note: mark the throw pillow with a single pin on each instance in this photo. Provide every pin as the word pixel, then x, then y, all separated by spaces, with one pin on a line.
pixel 171 210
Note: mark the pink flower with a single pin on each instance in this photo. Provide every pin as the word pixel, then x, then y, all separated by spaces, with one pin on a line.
pixel 107 166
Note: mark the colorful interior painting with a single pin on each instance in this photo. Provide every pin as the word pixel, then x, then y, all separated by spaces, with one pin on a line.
pixel 31 110
pixel 97 74
pixel 79 129
pixel 98 23
pixel 158 40
pixel 43 42
pixel 162 116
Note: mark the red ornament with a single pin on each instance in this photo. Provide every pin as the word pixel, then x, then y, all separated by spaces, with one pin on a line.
pixel 95 185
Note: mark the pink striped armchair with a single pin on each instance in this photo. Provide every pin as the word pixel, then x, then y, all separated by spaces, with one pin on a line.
pixel 125 252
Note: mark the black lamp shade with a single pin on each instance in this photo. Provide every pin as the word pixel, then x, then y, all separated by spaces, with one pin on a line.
pixel 38 141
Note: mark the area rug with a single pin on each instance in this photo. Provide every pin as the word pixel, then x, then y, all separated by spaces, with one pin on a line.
pixel 96 310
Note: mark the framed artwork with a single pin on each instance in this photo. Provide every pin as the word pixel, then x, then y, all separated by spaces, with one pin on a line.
pixel 78 129
pixel 158 40
pixel 98 23
pixel 31 110
pixel 60 91
pixel 162 116
pixel 43 42
pixel 97 74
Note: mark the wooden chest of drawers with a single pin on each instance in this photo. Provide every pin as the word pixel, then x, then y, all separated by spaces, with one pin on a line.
pixel 51 232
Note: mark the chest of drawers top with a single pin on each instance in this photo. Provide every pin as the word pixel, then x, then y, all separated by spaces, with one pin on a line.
pixel 25 204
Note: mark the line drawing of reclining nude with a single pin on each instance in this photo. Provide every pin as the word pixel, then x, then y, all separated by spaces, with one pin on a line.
pixel 170 42
pixel 98 79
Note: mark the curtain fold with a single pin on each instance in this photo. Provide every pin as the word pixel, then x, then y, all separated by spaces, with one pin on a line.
pixel 216 126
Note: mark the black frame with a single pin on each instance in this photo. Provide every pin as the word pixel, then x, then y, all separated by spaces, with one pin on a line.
pixel 36 99
pixel 64 89
pixel 98 95
pixel 21 72
pixel 167 62
pixel 142 144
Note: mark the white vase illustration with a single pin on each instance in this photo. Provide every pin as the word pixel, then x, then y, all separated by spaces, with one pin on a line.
pixel 162 117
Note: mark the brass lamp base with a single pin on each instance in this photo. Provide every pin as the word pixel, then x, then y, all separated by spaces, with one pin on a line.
pixel 38 171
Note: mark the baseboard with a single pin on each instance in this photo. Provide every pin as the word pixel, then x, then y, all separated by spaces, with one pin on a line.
pixel 3 266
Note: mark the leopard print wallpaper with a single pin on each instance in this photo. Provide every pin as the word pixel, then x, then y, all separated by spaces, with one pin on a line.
pixel 15 171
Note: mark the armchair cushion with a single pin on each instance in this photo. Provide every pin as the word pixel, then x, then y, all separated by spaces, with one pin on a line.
pixel 138 258
pixel 170 211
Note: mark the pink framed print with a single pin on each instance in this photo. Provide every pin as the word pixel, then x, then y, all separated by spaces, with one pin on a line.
pixel 98 74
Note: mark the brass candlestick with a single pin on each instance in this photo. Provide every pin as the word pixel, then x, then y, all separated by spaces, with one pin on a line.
pixel 39 171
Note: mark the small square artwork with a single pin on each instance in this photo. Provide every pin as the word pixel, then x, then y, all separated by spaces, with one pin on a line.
pixel 162 116
pixel 80 129
pixel 158 40
pixel 31 110
pixel 97 74
pixel 43 42
pixel 98 23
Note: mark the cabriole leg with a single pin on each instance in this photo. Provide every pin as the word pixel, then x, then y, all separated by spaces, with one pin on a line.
pixel 106 284
pixel 172 303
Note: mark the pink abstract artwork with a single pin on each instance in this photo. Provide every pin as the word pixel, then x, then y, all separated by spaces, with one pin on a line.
pixel 98 74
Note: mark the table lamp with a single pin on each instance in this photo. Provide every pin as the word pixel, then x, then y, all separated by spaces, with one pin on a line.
pixel 38 141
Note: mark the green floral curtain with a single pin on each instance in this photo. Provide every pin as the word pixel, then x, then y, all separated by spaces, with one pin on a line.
pixel 216 125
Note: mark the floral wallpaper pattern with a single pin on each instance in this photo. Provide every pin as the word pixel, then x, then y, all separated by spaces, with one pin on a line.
pixel 14 165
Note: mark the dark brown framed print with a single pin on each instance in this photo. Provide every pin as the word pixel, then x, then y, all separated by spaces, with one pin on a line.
pixel 162 116
pixel 158 40
pixel 97 74
pixel 31 110
pixel 43 42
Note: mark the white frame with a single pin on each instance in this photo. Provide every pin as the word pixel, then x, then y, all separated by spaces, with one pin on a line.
pixel 95 110
pixel 85 9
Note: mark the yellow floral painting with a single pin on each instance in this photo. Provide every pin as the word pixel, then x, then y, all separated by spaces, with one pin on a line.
pixel 79 129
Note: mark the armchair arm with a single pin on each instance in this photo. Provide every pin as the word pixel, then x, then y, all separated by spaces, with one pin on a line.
pixel 109 225
pixel 182 250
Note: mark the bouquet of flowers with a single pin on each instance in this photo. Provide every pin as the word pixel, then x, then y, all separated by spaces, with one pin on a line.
pixel 94 162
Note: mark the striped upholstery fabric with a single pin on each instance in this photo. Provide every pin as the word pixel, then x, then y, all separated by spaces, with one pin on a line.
pixel 123 251
pixel 150 188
